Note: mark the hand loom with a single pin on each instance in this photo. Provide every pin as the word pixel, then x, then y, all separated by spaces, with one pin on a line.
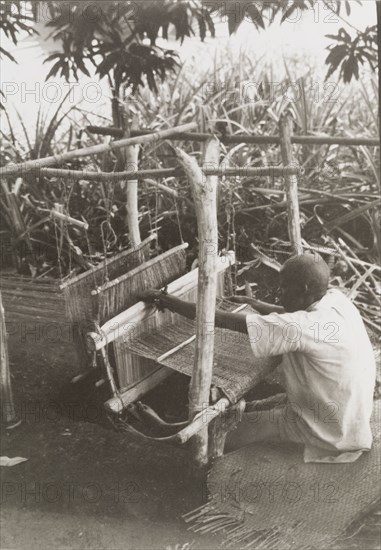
pixel 143 345
pixel 138 345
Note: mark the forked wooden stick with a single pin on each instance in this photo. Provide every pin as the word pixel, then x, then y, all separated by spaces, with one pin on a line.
pixel 204 190
pixel 285 131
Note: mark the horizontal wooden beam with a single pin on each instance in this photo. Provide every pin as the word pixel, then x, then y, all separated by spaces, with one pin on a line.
pixel 141 387
pixel 201 421
pixel 149 264
pixel 23 167
pixel 115 259
pixel 246 138
pixel 221 171
pixel 113 131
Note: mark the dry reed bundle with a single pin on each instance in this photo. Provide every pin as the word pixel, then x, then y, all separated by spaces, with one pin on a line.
pixel 29 299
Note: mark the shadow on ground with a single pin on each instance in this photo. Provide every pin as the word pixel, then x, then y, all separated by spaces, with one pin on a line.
pixel 84 484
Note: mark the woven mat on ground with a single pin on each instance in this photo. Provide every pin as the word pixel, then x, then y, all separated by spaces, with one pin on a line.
pixel 235 369
pixel 264 496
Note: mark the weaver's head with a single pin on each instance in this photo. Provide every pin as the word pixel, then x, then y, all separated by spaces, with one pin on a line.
pixel 303 281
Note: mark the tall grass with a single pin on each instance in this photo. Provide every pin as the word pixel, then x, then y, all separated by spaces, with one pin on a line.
pixel 241 94
pixel 233 93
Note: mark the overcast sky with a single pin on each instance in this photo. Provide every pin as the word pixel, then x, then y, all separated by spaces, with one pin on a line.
pixel 303 36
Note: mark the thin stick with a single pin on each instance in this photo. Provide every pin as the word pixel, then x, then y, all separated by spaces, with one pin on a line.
pixel 354 269
pixel 109 373
pixel 21 168
pixel 247 138
pixel 242 171
pixel 330 251
pixel 282 204
pixel 132 218
pixel 167 190
pixel 291 184
pixel 200 422
pixel 7 405
pixel 189 340
pixel 68 219
pixel 354 257
pixel 360 281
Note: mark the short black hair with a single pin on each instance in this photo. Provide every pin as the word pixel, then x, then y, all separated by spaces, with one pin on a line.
pixel 307 270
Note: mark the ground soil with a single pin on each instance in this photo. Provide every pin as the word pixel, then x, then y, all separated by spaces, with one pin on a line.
pixel 86 486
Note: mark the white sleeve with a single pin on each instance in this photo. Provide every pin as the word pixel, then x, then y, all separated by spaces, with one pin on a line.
pixel 274 334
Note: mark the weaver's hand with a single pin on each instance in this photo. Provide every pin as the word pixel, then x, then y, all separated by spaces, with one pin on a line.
pixel 149 296
pixel 153 296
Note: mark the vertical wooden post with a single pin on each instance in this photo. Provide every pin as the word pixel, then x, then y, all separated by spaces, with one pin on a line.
pixel 291 183
pixel 378 12
pixel 204 191
pixel 8 414
pixel 132 163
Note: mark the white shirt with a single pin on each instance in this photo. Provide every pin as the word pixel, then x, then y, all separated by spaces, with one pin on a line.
pixel 329 370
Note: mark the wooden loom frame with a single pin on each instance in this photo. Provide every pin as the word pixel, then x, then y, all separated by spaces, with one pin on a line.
pixel 197 425
pixel 205 442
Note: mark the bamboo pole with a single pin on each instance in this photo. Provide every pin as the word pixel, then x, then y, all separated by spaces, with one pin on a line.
pixel 8 413
pixel 68 219
pixel 241 171
pixel 291 184
pixel 204 190
pixel 21 168
pixel 247 138
pixel 333 252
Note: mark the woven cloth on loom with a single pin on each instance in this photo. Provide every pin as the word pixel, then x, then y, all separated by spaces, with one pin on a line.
pixel 264 496
pixel 235 369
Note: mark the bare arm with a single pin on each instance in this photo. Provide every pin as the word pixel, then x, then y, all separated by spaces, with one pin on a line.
pixel 223 319
pixel 262 307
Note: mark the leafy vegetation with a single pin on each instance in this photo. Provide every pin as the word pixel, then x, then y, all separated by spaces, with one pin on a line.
pixel 338 191
pixel 118 40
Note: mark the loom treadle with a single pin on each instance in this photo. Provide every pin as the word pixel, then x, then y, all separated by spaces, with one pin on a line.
pixel 116 404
